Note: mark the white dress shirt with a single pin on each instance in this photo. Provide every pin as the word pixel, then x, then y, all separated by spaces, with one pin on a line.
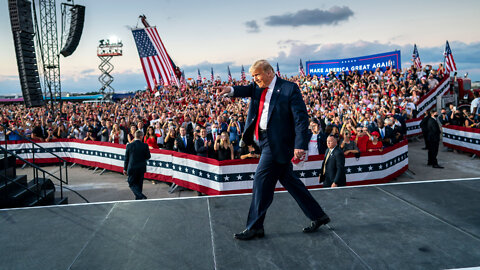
pixel 266 104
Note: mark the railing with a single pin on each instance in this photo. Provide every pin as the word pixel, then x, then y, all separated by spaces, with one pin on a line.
pixel 37 171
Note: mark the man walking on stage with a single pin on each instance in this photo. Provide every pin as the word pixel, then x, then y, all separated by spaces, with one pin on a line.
pixel 135 164
pixel 278 120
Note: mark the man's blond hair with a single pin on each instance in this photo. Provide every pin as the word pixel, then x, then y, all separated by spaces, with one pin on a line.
pixel 263 64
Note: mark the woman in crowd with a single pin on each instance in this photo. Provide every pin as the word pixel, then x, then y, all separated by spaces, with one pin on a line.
pixel 374 145
pixel 151 138
pixel 131 134
pixel 233 130
pixel 223 147
pixel 116 135
pixel 170 139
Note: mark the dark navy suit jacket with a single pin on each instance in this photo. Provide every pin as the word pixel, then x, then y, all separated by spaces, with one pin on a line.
pixel 136 156
pixel 287 127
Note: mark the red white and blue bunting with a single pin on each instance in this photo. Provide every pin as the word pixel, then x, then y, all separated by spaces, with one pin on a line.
pixel 211 176
pixel 462 138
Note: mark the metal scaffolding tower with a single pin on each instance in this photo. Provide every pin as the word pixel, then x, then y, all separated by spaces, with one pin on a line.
pixel 49 50
pixel 106 51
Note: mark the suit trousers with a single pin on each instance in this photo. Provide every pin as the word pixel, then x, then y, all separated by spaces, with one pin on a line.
pixel 432 152
pixel 135 182
pixel 266 176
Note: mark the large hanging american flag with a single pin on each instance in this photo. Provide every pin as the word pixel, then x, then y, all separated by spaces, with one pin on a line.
pixel 416 57
pixel 229 74
pixel 449 62
pixel 212 78
pixel 156 62
pixel 244 78
pixel 300 69
pixel 278 71
pixel 199 77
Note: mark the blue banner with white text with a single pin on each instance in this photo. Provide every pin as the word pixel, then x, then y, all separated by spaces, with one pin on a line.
pixel 362 64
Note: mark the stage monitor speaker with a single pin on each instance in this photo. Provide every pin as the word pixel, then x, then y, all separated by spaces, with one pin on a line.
pixel 23 34
pixel 76 29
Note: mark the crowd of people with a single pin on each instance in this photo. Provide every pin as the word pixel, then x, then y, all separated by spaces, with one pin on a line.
pixel 366 112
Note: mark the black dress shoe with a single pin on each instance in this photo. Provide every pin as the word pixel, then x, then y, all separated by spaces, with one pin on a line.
pixel 249 234
pixel 316 224
pixel 436 166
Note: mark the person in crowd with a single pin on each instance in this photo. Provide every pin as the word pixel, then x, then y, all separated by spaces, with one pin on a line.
pixel 203 143
pixel 313 145
pixel 135 165
pixel 116 135
pixel 60 132
pixel 374 145
pixel 475 104
pixel 332 173
pixel 281 138
pixel 90 136
pixel 347 145
pixel 385 131
pixel 184 143
pixel 249 151
pixel 433 139
pixel 151 138
pixel 170 139
pixel 38 132
pixel 105 131
pixel 233 131
pixel 131 134
pixel 443 118
pixel 223 147
pixel 361 138
pixel 160 134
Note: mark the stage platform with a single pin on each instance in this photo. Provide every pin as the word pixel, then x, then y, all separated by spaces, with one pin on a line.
pixel 422 225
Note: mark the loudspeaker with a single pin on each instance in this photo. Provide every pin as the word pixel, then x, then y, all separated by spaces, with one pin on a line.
pixel 76 29
pixel 23 34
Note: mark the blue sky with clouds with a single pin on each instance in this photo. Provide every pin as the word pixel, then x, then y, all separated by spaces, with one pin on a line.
pixel 213 33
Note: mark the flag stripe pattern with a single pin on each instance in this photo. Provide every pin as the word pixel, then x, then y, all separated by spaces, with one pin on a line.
pixel 300 69
pixel 154 58
pixel 244 78
pixel 229 74
pixel 416 57
pixel 278 71
pixel 449 62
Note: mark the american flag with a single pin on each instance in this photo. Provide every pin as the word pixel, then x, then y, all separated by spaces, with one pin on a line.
pixel 212 78
pixel 416 57
pixel 229 74
pixel 449 62
pixel 156 62
pixel 300 69
pixel 244 78
pixel 199 77
pixel 183 81
pixel 278 71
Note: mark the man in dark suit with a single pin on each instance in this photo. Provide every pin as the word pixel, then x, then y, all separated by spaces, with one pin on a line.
pixel 433 139
pixel 385 131
pixel 135 164
pixel 423 126
pixel 278 121
pixel 184 143
pixel 333 167
pixel 203 143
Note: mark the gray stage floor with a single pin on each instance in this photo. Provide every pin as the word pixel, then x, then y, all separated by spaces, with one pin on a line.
pixel 427 225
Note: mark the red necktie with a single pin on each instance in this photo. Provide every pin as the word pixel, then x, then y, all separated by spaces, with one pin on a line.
pixel 260 109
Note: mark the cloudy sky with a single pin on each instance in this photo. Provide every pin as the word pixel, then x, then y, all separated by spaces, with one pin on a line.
pixel 213 33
